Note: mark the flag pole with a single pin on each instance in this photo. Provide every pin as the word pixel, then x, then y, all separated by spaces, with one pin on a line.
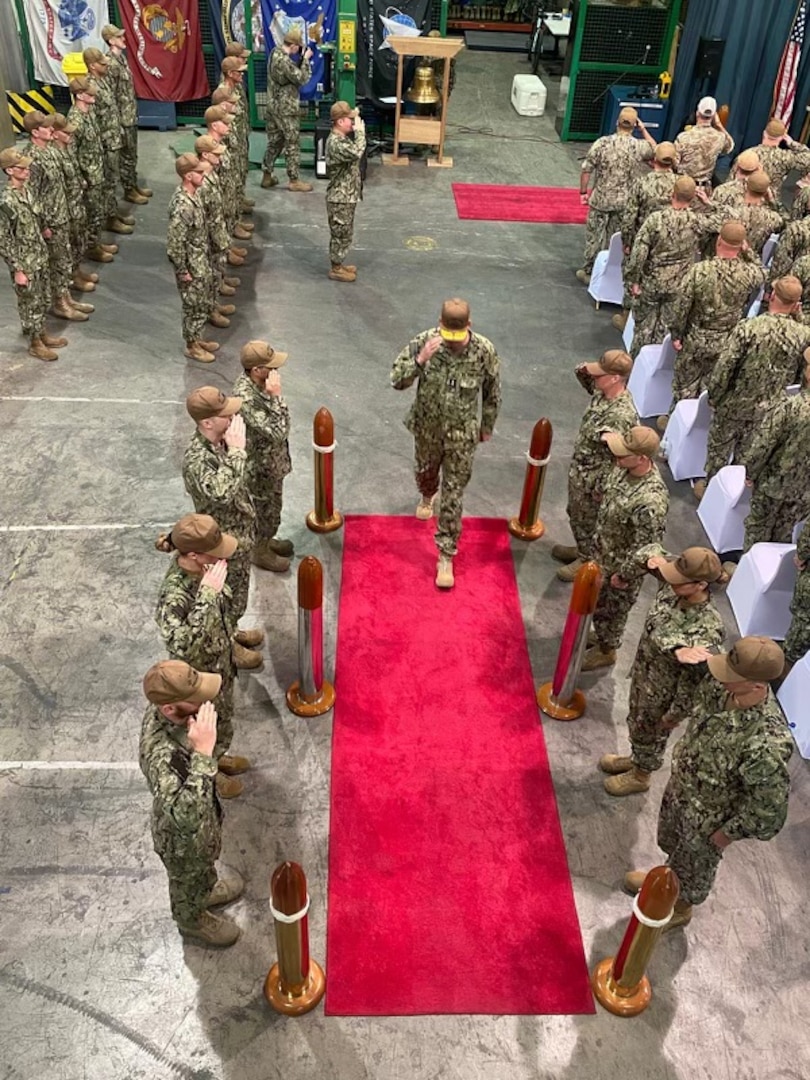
pixel 778 81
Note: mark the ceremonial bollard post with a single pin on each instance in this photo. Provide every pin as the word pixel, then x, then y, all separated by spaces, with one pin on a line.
pixel 560 698
pixel 527 525
pixel 324 518
pixel 295 983
pixel 619 983
pixel 310 694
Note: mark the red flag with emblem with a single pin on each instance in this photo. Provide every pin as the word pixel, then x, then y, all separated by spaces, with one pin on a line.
pixel 164 49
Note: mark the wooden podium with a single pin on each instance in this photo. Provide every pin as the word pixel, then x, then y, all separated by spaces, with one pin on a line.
pixel 422 129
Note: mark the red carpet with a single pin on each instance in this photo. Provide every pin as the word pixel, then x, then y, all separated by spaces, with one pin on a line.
pixel 500 202
pixel 448 882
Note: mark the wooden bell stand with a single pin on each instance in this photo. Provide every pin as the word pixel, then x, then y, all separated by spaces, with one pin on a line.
pixel 429 130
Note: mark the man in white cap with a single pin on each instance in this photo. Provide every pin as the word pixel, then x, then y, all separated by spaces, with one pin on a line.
pixel 700 146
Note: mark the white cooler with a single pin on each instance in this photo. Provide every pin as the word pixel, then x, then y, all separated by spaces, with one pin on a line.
pixel 528 95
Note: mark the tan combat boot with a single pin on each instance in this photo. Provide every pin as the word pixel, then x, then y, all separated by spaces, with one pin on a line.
pixel 615 763
pixel 233 281
pixel 583 276
pixel 281 547
pixel 79 305
pixel 266 559
pixel 564 552
pixel 241 233
pixel 632 782
pixel 699 489
pixel 350 268
pixel 111 249
pixel 251 639
pixel 268 180
pixel 246 205
pixel 633 880
pixel 226 290
pixel 215 931
pixel 234 259
pixel 595 659
pixel 248 226
pixel 99 255
pixel 145 191
pixel 229 887
pixel 245 659
pixel 228 787
pixel 40 350
pixel 225 309
pixel 299 185
pixel 681 916
pixel 219 320
pixel 340 273
pixel 63 310
pixel 134 196
pixel 82 284
pixel 239 252
pixel 444 572
pixel 115 225
pixel 209 346
pixel 126 219
pixel 620 320
pixel 569 572
pixel 233 764
pixel 424 508
pixel 52 341
pixel 194 351
pixel 87 275
pixel 661 423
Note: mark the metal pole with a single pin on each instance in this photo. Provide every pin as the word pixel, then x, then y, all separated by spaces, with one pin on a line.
pixel 560 698
pixel 527 525
pixel 311 694
pixel 324 518
pixel 296 983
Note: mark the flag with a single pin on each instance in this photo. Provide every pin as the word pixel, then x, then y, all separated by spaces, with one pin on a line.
pixel 59 27
pixel 164 49
pixel 228 23
pixel 376 60
pixel 784 94
pixel 316 19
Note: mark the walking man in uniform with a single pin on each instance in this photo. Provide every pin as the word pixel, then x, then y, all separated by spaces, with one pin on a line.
pixel 284 81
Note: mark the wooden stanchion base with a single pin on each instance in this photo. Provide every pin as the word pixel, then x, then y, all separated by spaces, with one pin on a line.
pixel 555 709
pixel 395 159
pixel 301 706
pixel 615 1000
pixel 302 1003
pixel 333 523
pixel 445 163
pixel 526 532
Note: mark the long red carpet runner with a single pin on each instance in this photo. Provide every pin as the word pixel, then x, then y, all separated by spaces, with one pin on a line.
pixel 502 202
pixel 449 889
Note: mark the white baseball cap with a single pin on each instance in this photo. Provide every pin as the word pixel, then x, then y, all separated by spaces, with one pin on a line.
pixel 707 106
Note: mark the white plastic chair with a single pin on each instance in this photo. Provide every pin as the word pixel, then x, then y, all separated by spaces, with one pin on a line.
pixel 724 508
pixel 761 590
pixel 797 530
pixel 650 381
pixel 607 285
pixel 793 695
pixel 687 437
pixel 629 332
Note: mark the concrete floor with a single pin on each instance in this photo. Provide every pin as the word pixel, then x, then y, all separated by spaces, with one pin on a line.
pixel 95 983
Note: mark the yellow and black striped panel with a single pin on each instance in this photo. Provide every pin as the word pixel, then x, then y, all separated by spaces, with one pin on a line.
pixel 20 104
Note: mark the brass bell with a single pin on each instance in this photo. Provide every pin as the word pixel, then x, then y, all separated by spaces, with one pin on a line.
pixel 423 91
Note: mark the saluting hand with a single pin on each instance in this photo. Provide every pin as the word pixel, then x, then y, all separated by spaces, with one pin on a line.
pixel 20 279
pixel 431 346
pixel 694 654
pixel 202 729
pixel 235 436
pixel 215 574
pixel 273 383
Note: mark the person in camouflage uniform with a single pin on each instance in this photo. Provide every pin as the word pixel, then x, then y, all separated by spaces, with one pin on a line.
pixel 210 152
pixel 666 246
pixel 762 357
pixel 237 90
pixel 794 244
pixel 757 212
pixel 453 367
pixel 345 188
pixel 629 529
pixel 23 248
pixel 219 123
pixel 267 420
pixel 284 81
pixel 713 296
pixel 176 756
pixel 618 161
pixel 797 641
pixel 681 626
pixel 63 131
pixel 112 138
pixel 775 465
pixel 801 271
pixel 90 157
pixel 120 79
pixel 733 190
pixel 779 154
pixel 215 476
pixel 611 408
pixel 193 614
pixel 700 146
pixel 730 777
pixel 801 204
pixel 230 93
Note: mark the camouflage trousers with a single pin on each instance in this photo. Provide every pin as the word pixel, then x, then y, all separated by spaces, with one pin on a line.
pixel 78 237
pixel 692 855
pixel 268 510
pixel 217 274
pixel 283 134
pixel 33 301
pixel 730 434
pixel 60 261
pixel 772 520
pixel 695 361
pixel 195 298
pixel 599 228
pixel 653 314
pixel 797 641
pixel 239 581
pixel 112 178
pixel 652 688
pixel 189 863
pixel 95 202
pixel 223 703
pixel 128 159
pixel 439 460
pixel 582 510
pixel 341 229
pixel 612 610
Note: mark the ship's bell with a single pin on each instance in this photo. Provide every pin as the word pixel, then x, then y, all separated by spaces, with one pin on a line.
pixel 423 91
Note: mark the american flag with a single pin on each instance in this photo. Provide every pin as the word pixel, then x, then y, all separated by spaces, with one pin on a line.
pixel 784 93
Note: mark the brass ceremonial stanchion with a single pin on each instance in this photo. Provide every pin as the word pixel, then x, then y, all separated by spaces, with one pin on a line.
pixel 324 518
pixel 560 698
pixel 527 525
pixel 310 695
pixel 296 983
pixel 619 983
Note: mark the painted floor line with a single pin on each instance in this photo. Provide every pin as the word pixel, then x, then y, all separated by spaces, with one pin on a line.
pixel 99 401
pixel 64 766
pixel 119 526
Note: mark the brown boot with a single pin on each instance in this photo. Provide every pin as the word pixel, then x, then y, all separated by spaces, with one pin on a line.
pixel 281 547
pixel 111 249
pixel 114 225
pixel 134 196
pixel 268 180
pixel 213 931
pixel 681 916
pixel 195 351
pixel 633 880
pixel 266 559
pixel 444 572
pixel 595 659
pixel 340 273
pixel 225 309
pixel 248 226
pixel 229 887
pixel 661 423
pixel 699 489
pixel 227 290
pixel 53 342
pixel 62 310
pixel 145 191
pixel 228 787
pixel 239 252
pixel 299 185
pixel 249 638
pixel 40 350
pixel 86 275
pixel 209 346
pixel 79 305
pixel 245 659
pixel 126 219
pixel 219 320
pixel 99 255
pixel 233 764
pixel 569 572
pixel 615 763
pixel 565 553
pixel 632 782
pixel 350 268
pixel 247 204
pixel 620 320
pixel 240 233
pixel 234 259
pixel 82 285
pixel 232 281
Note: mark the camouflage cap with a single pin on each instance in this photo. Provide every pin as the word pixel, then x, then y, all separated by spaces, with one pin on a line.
pixel 201 534
pixel 339 110
pixel 788 289
pixel 628 118
pixel 206 144
pixel 293 37
pixel 454 320
pixel 206 402
pixel 776 129
pixel 748 161
pixel 34 119
pixel 758 182
pixel 666 153
pixel 13 159
pixel 758 659
pixel 733 233
pixel 82 85
pixel 59 122
pixel 261 354
pixel 187 163
pixel 94 56
pixel 110 32
pixel 233 63
pixel 171 681
pixel 684 189
pixel 216 112
pixel 612 362
pixel 236 48
pixel 693 564
pixel 638 440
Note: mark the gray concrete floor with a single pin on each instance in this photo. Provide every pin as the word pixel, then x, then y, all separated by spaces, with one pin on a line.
pixel 94 981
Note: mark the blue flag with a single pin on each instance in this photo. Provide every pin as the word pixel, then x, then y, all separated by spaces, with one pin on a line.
pixel 317 21
pixel 228 24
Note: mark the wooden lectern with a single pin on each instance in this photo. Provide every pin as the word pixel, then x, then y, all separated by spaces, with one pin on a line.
pixel 422 129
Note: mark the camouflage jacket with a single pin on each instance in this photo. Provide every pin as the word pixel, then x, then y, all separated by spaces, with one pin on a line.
pixel 803 546
pixel 630 523
pixel 106 114
pixel 72 179
pixel 186 814
pixel 186 244
pixel 793 244
pixel 343 156
pixel 448 388
pixel 284 81
pixel 89 148
pixel 240 124
pixel 592 463
pixel 46 186
pixel 21 243
pixel 760 220
pixel 267 419
pixel 665 247
pixel 801 270
pixel 194 621
pixel 778 162
pixel 729 769
pixel 216 479
pixel 698 151
pixel 762 357
pixel 648 194
pixel 714 295
pixel 120 79
pixel 801 204
pixel 210 195
pixel 776 459
pixel 614 162
pixel 729 193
